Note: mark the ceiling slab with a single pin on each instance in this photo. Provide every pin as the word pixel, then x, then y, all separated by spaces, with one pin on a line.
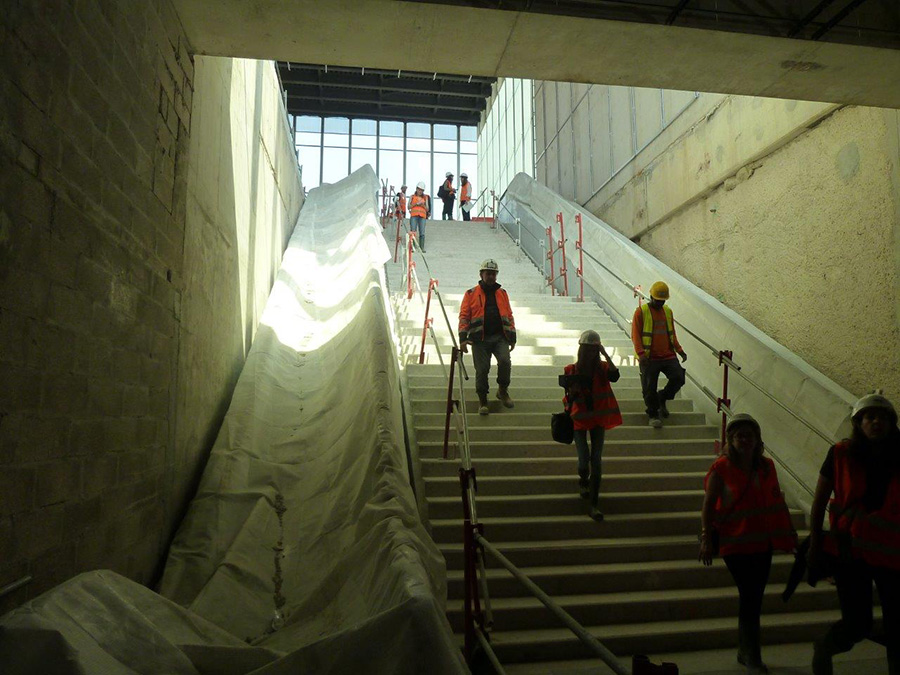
pixel 419 36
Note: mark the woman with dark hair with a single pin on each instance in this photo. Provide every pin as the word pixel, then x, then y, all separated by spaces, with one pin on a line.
pixel 594 409
pixel 744 507
pixel 863 472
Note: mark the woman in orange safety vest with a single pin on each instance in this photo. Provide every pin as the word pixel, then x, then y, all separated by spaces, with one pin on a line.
pixel 863 472
pixel 591 403
pixel 465 194
pixel 745 506
pixel 419 210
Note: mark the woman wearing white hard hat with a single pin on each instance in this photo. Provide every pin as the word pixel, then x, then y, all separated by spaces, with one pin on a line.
pixel 419 210
pixel 863 473
pixel 590 400
pixel 744 515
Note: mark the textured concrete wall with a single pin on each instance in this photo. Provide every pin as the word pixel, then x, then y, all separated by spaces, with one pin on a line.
pixel 104 342
pixel 787 211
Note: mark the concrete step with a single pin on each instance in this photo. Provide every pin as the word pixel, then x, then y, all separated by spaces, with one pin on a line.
pixel 542 433
pixel 529 339
pixel 629 392
pixel 619 358
pixel 545 405
pixel 550 528
pixel 536 422
pixel 596 609
pixel 547 384
pixel 448 486
pixel 555 466
pixel 612 448
pixel 567 504
pixel 546 370
pixel 568 350
pixel 685 633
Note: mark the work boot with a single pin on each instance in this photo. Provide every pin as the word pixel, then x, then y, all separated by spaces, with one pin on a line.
pixel 483 404
pixel 662 406
pixel 655 422
pixel 821 662
pixel 596 514
pixel 584 488
pixel 503 395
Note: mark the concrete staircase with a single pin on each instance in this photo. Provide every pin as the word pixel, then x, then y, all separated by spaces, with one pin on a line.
pixel 633 579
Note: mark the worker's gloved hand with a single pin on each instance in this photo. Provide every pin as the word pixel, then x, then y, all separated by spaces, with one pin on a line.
pixel 464 346
pixel 643 357
pixel 512 345
pixel 683 356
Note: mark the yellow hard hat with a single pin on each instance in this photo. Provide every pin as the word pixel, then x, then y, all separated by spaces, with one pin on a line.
pixel 659 291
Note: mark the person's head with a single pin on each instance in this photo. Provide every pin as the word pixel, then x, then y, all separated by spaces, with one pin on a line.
pixel 464 177
pixel 449 177
pixel 488 271
pixel 588 352
pixel 874 418
pixel 403 189
pixel 420 188
pixel 743 438
pixel 659 293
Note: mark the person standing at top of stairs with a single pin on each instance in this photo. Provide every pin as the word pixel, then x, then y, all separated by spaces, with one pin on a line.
pixel 591 402
pixel 465 195
pixel 447 194
pixel 656 346
pixel 419 210
pixel 486 322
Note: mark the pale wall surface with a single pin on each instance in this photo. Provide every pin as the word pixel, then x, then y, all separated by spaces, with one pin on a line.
pixel 120 330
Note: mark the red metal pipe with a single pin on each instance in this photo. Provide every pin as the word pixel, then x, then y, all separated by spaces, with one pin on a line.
pixel 454 355
pixel 397 242
pixel 431 284
pixel 564 271
pixel 550 256
pixel 580 246
pixel 410 267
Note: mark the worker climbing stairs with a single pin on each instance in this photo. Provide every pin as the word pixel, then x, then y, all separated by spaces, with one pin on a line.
pixel 632 580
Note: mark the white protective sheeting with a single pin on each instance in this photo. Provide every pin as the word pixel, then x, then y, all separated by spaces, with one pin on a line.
pixel 316 419
pixel 802 388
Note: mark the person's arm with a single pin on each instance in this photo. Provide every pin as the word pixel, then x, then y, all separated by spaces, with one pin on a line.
pixel 465 317
pixel 512 321
pixel 637 327
pixel 677 345
pixel 714 484
pixel 824 488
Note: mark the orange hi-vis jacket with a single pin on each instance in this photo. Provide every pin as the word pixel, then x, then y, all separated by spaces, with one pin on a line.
pixel 600 408
pixel 873 536
pixel 471 315
pixel 751 515
pixel 418 206
pixel 653 331
pixel 401 205
pixel 465 192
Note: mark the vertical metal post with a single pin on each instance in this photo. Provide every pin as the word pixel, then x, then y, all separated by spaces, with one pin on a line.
pixel 469 569
pixel 399 238
pixel 580 246
pixel 454 355
pixel 410 266
pixel 724 400
pixel 431 284
pixel 550 252
pixel 563 271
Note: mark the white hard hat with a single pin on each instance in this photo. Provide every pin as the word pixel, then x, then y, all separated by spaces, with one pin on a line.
pixel 742 418
pixel 874 400
pixel 420 185
pixel 463 175
pixel 449 175
pixel 589 337
pixel 490 264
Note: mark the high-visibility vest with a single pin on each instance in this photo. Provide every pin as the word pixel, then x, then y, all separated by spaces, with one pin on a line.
pixel 650 328
pixel 600 409
pixel 418 206
pixel 471 314
pixel 448 186
pixel 401 204
pixel 873 536
pixel 465 192
pixel 751 515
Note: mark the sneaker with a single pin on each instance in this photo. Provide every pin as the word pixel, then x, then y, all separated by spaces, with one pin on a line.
pixel 596 514
pixel 483 404
pixel 503 395
pixel 655 422
pixel 584 489
pixel 662 406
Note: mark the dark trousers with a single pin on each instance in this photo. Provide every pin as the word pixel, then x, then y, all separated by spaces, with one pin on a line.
pixel 498 347
pixel 854 586
pixel 465 214
pixel 447 213
pixel 750 572
pixel 650 371
pixel 589 467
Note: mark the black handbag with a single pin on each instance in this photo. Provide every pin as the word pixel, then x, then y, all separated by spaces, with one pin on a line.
pixel 562 428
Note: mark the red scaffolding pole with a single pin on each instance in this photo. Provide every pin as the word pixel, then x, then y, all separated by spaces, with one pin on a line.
pixel 410 266
pixel 428 321
pixel 579 245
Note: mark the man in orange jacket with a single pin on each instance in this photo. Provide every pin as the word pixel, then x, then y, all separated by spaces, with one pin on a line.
pixel 486 322
pixel 655 343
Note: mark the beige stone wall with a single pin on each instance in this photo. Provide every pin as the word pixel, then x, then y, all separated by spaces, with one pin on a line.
pixel 117 356
pixel 787 211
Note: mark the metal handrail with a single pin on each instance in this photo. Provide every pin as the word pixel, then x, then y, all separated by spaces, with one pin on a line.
pixel 16 585
pixel 581 633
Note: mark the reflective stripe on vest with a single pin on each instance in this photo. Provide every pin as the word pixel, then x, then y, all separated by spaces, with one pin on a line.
pixel 418 206
pixel 465 192
pixel 650 326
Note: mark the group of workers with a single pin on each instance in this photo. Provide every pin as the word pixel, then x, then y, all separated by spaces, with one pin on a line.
pixel 744 517
pixel 420 204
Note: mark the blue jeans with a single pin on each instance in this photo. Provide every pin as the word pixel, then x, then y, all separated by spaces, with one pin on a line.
pixel 417 224
pixel 589 471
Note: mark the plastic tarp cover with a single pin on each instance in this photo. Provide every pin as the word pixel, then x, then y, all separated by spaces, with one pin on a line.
pixel 795 383
pixel 307 487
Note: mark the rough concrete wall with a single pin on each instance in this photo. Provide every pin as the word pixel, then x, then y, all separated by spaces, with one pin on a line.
pixel 243 200
pixel 98 268
pixel 805 247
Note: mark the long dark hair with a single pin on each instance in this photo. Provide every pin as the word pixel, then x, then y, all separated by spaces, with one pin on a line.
pixel 756 464
pixel 588 362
